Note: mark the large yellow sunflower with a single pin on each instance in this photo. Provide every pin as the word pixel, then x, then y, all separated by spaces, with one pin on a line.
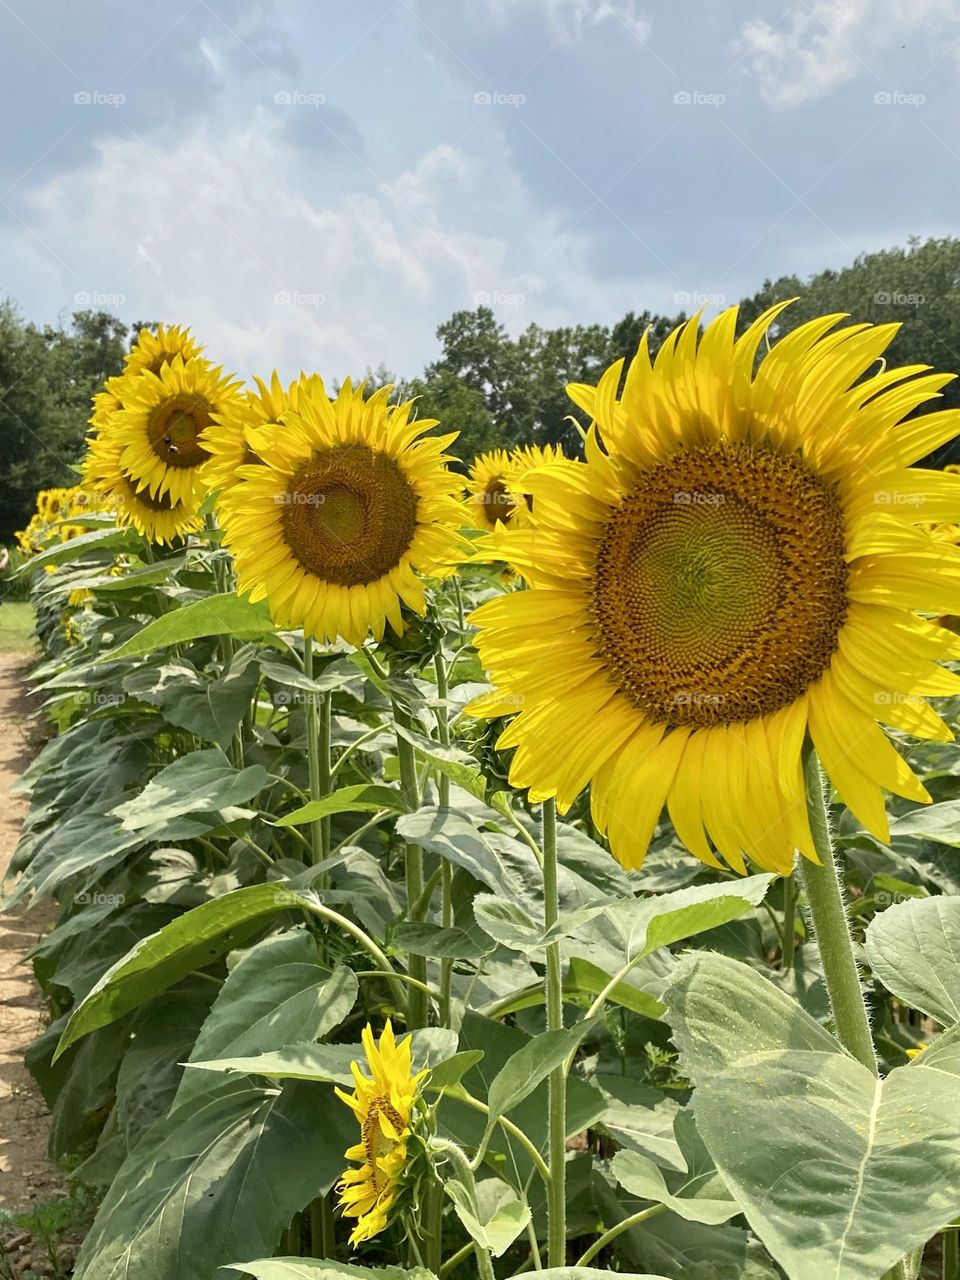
pixel 738 565
pixel 488 490
pixel 524 460
pixel 352 503
pixel 161 423
pixel 383 1107
pixel 158 518
pixel 152 351
pixel 225 440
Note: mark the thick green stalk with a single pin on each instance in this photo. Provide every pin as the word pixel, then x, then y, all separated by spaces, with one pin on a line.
pixel 557 1095
pixel 634 1220
pixel 828 914
pixel 951 1255
pixel 413 860
pixel 446 871
pixel 789 921
pixel 315 753
pixel 323 1239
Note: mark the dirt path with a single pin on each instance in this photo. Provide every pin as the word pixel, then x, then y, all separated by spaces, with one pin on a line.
pixel 25 1173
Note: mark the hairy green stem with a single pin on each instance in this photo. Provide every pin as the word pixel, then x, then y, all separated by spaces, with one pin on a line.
pixel 446 871
pixel 413 861
pixel 318 754
pixel 828 914
pixel 789 921
pixel 951 1255
pixel 557 1086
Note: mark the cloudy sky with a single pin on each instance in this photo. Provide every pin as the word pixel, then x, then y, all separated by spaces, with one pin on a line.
pixel 318 184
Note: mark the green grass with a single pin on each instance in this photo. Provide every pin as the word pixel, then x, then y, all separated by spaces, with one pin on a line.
pixel 16 626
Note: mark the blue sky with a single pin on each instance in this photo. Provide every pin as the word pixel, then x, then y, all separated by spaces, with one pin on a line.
pixel 319 184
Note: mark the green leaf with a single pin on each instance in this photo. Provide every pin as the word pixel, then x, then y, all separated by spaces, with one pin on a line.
pixel 111 539
pixel 445 1075
pixel 192 941
pixel 196 783
pixel 215 615
pixel 529 1067
pixel 424 939
pixel 939 822
pixel 310 1269
pixel 838 1173
pixel 914 949
pixel 492 1215
pixel 511 925
pixel 361 798
pixel 218 1178
pixel 278 994
pixel 698 1195
pixel 212 708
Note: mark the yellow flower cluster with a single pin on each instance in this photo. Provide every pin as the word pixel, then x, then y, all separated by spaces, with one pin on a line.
pixel 50 522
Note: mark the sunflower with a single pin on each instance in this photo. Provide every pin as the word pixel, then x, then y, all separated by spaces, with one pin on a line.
pixel 161 422
pixel 523 461
pixel 152 351
pixel 383 1107
pixel 158 518
pixel 738 565
pixel 488 490
pixel 225 439
pixel 352 503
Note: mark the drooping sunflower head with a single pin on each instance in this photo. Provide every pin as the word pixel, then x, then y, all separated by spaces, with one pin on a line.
pixel 383 1104
pixel 738 564
pixel 152 351
pixel 225 439
pixel 161 426
pixel 488 490
pixel 352 504
pixel 160 518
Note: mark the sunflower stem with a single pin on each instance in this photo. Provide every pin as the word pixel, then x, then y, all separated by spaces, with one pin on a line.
pixel 446 871
pixel 413 861
pixel 323 1240
pixel 433 1226
pixel 828 914
pixel 557 1095
pixel 951 1255
pixel 608 1237
pixel 318 754
pixel 789 948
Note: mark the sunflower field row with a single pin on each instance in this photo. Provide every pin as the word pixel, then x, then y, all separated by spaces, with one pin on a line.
pixel 552 869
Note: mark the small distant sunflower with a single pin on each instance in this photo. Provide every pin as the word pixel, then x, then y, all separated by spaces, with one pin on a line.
pixel 488 490
pixel 161 424
pixel 152 351
pixel 383 1107
pixel 225 440
pixel 523 460
pixel 738 566
pixel 158 518
pixel 352 504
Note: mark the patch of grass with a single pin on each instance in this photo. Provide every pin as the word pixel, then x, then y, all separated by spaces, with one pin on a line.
pixel 16 626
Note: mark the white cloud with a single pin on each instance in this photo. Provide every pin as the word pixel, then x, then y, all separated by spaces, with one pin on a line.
pixel 817 46
pixel 216 232
pixel 571 18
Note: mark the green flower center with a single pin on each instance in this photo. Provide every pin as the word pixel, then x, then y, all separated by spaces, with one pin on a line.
pixel 720 585
pixel 174 429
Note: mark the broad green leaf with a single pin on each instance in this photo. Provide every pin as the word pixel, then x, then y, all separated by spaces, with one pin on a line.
pixel 211 707
pixel 215 615
pixel 112 539
pixel 198 782
pixel 529 1067
pixel 698 1195
pixel 839 1174
pixel 460 767
pixel 361 798
pixel 914 949
pixel 511 925
pixel 422 938
pixel 445 1075
pixel 217 1179
pixel 583 976
pixel 335 676
pixel 492 1215
pixel 192 941
pixel 311 1269
pixel 276 995
pixel 939 822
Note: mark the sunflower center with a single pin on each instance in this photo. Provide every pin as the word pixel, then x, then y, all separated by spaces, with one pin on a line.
pixel 174 429
pixel 349 515
pixel 497 503
pixel 375 1142
pixel 720 585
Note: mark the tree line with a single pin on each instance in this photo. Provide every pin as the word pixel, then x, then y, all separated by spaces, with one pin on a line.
pixel 497 390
